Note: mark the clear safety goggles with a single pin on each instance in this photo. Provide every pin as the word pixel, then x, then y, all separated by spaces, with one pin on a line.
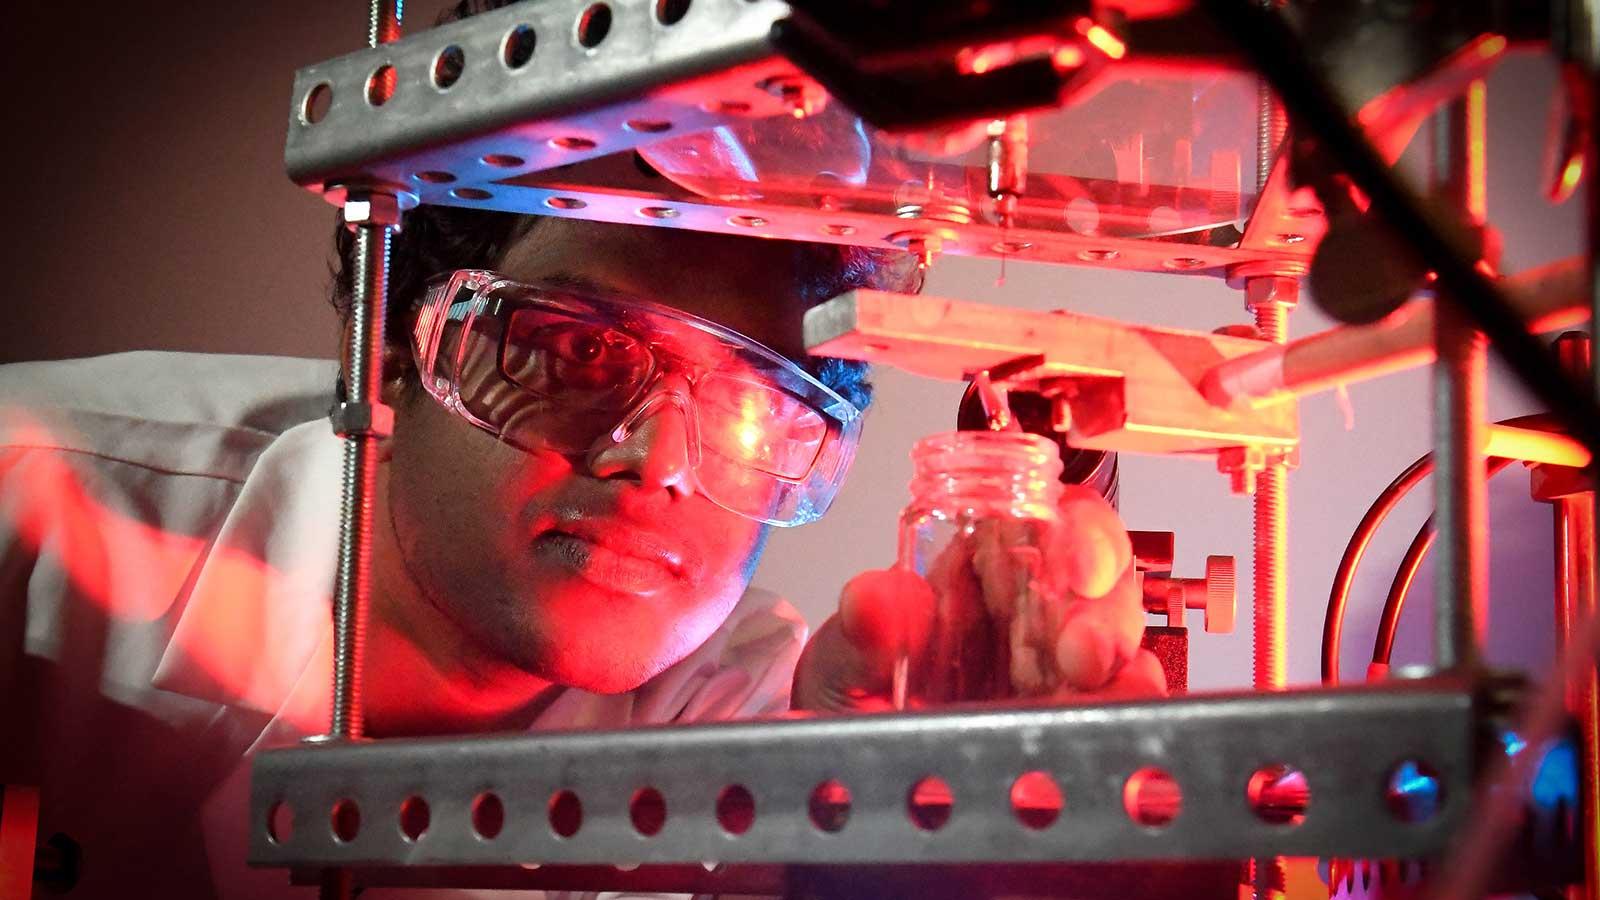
pixel 553 369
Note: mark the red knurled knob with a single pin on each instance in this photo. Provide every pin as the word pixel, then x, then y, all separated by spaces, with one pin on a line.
pixel 1221 594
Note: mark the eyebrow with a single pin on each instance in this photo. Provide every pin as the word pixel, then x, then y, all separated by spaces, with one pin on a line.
pixel 572 281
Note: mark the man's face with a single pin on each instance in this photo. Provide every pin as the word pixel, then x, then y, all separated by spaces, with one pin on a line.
pixel 599 570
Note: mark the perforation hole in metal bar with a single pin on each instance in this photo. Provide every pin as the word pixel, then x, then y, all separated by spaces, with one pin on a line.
pixel 647 126
pixel 1414 792
pixel 488 815
pixel 829 806
pixel 470 193
pixel 565 812
pixel 670 12
pixel 648 811
pixel 930 803
pixel 517 47
pixel 314 108
pixel 448 66
pixel 1036 800
pixel 414 817
pixel 593 25
pixel 572 142
pixel 345 820
pixel 565 203
pixel 434 176
pixel 1152 798
pixel 1279 794
pixel 380 85
pixel 280 823
pixel 502 160
pixel 726 107
pixel 736 809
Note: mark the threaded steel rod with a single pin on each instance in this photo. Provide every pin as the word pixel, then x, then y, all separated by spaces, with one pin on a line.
pixel 1270 550
pixel 383 21
pixel 1269 512
pixel 1270 127
pixel 353 583
pixel 363 385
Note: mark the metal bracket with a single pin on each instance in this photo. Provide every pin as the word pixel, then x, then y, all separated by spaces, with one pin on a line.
pixel 1130 387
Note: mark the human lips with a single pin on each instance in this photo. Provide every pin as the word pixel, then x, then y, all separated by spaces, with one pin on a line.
pixel 617 556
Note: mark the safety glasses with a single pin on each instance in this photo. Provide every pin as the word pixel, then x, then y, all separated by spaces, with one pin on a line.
pixel 553 369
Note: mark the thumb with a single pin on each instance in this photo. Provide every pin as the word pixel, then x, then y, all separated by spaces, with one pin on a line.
pixel 849 662
pixel 886 613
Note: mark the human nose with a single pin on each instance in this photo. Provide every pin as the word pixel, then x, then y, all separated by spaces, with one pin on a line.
pixel 653 445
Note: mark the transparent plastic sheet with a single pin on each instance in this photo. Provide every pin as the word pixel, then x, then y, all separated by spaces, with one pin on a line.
pixel 1143 158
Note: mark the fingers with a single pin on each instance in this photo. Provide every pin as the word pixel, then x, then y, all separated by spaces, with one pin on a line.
pixel 1090 549
pixel 1141 678
pixel 1099 635
pixel 833 676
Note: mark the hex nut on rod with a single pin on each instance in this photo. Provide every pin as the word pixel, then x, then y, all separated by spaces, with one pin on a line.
pixel 367 419
pixel 371 208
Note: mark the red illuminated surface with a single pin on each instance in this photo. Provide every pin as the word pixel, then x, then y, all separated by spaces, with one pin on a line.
pixel 134 571
pixel 1102 39
pixel 19 819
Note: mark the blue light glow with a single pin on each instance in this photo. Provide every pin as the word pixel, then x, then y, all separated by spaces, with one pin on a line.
pixel 1556 780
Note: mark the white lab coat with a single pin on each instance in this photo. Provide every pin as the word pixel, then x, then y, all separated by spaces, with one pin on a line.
pixel 168 525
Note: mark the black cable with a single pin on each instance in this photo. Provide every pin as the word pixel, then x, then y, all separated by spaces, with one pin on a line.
pixel 1280 56
pixel 1344 575
pixel 1389 621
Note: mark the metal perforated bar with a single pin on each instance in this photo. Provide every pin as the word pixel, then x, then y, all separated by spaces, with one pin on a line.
pixel 1347 742
pixel 538 85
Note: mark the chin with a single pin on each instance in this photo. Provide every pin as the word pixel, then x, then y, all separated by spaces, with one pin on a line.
pixel 606 660
pixel 613 670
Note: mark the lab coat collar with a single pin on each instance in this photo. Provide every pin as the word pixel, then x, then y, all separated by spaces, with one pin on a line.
pixel 256 629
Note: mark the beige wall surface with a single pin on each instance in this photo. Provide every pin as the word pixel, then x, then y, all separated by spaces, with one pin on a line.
pixel 149 210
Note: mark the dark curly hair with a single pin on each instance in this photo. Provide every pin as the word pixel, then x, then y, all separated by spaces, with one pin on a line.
pixel 441 239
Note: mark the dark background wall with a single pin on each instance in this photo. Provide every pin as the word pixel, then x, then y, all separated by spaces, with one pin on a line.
pixel 144 153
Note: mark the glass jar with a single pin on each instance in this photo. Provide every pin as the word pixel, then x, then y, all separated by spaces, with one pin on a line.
pixel 984 506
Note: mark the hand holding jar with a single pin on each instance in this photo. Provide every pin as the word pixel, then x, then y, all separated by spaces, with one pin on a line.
pixel 1008 584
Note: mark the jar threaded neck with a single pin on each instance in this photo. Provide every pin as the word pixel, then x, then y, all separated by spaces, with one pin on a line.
pixel 987 473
